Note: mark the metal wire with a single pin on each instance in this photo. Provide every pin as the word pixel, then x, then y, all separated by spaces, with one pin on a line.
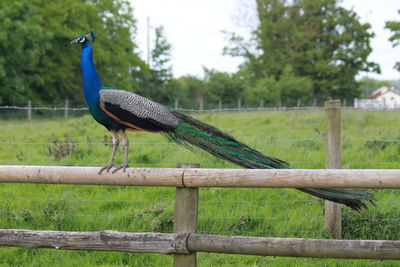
pixel 201 218
pixel 149 143
pixel 87 200
pixel 261 218
pixel 136 164
pixel 256 201
pixel 158 201
pixel 173 201
pixel 41 108
pixel 262 233
pixel 374 219
pixel 373 139
pixel 173 143
pixel 79 215
pixel 371 162
pixel 144 217
pixel 213 110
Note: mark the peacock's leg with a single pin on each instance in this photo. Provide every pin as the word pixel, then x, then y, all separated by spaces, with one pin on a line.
pixel 115 141
pixel 125 143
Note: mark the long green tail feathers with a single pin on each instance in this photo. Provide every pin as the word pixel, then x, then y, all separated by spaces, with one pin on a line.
pixel 193 133
pixel 353 198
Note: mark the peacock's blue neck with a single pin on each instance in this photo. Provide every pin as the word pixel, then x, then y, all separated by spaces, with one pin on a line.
pixel 91 81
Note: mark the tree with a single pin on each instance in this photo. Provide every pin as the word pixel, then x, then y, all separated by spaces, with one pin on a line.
pixel 21 43
pixel 223 86
pixel 161 57
pixel 316 38
pixel 394 26
pixel 157 83
pixel 288 91
pixel 38 63
pixel 192 90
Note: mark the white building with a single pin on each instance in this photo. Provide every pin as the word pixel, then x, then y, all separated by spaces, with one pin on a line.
pixel 384 97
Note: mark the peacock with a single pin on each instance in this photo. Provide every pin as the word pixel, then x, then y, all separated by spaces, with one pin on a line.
pixel 120 111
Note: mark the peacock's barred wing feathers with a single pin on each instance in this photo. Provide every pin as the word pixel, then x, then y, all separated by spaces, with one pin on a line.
pixel 135 111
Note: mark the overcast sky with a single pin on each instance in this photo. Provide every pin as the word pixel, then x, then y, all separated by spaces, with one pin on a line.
pixel 194 28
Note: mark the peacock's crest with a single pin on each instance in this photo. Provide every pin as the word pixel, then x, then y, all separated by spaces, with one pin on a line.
pixel 82 40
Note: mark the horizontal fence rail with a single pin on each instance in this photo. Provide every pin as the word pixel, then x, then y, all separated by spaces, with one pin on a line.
pixel 185 243
pixel 188 177
pixel 164 243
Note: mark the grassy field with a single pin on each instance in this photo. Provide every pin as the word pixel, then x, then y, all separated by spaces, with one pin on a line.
pixel 295 136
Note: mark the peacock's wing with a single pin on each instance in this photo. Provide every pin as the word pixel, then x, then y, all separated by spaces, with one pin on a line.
pixel 136 112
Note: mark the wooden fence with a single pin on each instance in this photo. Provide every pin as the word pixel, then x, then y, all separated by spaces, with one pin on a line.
pixel 185 242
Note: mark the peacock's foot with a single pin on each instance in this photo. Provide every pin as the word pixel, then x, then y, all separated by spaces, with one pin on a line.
pixel 106 168
pixel 122 166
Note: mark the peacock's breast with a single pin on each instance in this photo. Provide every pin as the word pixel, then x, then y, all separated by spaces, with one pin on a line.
pixel 101 117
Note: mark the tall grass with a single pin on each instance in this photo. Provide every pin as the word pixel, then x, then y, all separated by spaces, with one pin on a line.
pixel 295 136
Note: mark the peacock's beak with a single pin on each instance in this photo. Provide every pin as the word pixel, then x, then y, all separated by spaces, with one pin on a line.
pixel 74 41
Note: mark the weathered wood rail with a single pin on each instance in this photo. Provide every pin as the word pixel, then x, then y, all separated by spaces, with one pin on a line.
pixel 193 177
pixel 184 243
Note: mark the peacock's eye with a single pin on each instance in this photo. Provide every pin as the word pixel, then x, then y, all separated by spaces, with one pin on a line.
pixel 81 40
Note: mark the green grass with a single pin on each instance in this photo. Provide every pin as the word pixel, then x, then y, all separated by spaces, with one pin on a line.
pixel 136 209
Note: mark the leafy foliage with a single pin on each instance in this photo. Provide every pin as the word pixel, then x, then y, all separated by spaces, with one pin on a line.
pixel 161 56
pixel 192 90
pixel 38 63
pixel 316 38
pixel 223 86
pixel 302 50
pixel 394 26
pixel 157 82
pixel 289 90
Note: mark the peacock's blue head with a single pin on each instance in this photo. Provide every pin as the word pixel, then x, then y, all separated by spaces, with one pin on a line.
pixel 82 40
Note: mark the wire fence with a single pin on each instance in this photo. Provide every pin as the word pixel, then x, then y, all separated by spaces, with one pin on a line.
pixel 30 112
pixel 391 146
pixel 222 211
pixel 308 225
pixel 207 224
pixel 63 108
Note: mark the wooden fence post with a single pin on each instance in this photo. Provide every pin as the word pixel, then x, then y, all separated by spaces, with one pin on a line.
pixel 29 111
pixel 201 104
pixel 239 104
pixel 186 217
pixel 355 102
pixel 262 103
pixel 176 103
pixel 333 215
pixel 66 107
